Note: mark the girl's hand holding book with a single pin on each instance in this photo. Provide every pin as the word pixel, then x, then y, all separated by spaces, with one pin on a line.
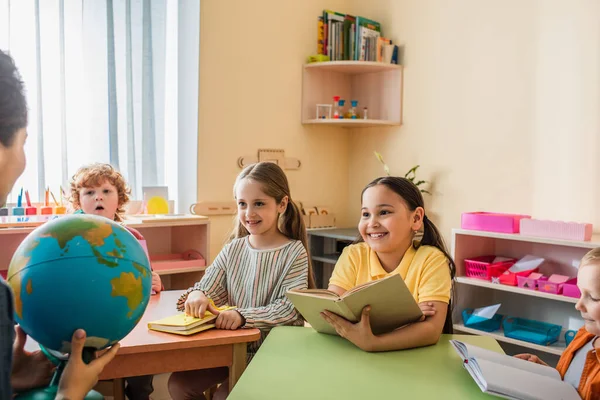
pixel 428 310
pixel 359 333
pixel 198 303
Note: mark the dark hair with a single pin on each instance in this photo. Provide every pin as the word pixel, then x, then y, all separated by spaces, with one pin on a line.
pixel 275 185
pixel 13 106
pixel 413 198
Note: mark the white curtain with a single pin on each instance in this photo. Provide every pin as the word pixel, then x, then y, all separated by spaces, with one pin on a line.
pixel 111 81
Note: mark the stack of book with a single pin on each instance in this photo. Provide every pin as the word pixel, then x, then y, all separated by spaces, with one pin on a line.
pixel 346 37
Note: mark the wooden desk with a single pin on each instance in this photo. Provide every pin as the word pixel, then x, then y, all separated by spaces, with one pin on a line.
pixel 299 363
pixel 146 352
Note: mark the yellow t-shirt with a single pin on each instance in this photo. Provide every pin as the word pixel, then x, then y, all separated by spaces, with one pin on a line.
pixel 425 271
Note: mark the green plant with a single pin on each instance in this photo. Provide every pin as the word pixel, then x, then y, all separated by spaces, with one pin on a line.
pixel 411 175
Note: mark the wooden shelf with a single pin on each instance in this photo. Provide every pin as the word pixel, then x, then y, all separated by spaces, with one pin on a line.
pixel 353 67
pixel 377 86
pixel 514 289
pixel 595 242
pixel 556 348
pixel 351 123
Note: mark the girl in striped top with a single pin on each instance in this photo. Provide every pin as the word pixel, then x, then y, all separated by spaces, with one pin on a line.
pixel 266 256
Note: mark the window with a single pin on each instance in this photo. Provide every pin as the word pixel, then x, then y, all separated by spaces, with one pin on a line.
pixel 111 81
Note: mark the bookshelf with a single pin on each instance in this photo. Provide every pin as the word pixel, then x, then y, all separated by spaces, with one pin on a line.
pixel 167 240
pixel 325 247
pixel 377 86
pixel 561 257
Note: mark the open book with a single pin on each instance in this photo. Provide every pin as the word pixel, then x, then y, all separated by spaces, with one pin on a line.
pixel 512 378
pixel 183 324
pixel 392 305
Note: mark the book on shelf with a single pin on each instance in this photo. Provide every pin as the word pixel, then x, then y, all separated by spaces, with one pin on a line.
pixel 344 37
pixel 183 324
pixel 512 378
pixel 392 305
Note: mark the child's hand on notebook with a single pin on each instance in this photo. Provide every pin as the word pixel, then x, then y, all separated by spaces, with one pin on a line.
pixel 197 304
pixel 531 358
pixel 359 333
pixel 427 309
pixel 230 319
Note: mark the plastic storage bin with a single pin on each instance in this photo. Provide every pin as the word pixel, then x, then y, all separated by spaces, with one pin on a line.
pixel 532 281
pixel 528 330
pixel 570 289
pixel 489 325
pixel 554 284
pixel 510 278
pixel 484 268
pixel 492 222
pixel 556 229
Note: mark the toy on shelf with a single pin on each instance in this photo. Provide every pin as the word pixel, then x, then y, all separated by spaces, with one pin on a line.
pixel 336 107
pixel 487 267
pixel 492 222
pixel 341 103
pixel 324 111
pixel 557 229
pixel 524 267
pixel 47 209
pixel 351 114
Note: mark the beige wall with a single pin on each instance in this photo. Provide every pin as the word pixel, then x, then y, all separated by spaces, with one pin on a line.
pixel 501 106
pixel 251 56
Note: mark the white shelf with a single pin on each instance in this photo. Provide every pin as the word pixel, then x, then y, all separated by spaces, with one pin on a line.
pixel 514 289
pixel 595 242
pixel 556 348
pixel 351 123
pixel 353 67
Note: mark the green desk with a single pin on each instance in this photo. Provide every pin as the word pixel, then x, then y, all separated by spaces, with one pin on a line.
pixel 299 363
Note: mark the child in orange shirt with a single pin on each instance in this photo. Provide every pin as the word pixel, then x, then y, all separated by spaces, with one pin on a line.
pixel 579 364
pixel 101 190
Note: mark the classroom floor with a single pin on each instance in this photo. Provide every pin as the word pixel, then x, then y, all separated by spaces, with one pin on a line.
pixel 161 392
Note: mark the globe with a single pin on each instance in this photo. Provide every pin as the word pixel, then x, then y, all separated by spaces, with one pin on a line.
pixel 79 271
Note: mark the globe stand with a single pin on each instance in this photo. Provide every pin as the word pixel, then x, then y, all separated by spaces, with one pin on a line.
pixel 60 360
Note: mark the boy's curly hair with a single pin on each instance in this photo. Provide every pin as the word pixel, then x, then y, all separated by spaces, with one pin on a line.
pixel 95 175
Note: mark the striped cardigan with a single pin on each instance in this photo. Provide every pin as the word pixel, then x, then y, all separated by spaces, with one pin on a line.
pixel 256 281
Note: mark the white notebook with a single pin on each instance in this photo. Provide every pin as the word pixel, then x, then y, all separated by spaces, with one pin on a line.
pixel 512 378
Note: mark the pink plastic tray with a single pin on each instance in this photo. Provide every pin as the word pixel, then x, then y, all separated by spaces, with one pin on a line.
pixel 492 222
pixel 570 289
pixel 532 281
pixel 556 229
pixel 554 284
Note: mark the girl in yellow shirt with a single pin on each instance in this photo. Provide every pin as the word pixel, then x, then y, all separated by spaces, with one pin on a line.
pixel 396 238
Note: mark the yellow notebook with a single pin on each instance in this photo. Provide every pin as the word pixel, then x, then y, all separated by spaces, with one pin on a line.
pixel 183 324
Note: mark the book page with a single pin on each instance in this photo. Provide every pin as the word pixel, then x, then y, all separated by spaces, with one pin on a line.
pixel 317 292
pixel 519 384
pixel 392 304
pixel 468 351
